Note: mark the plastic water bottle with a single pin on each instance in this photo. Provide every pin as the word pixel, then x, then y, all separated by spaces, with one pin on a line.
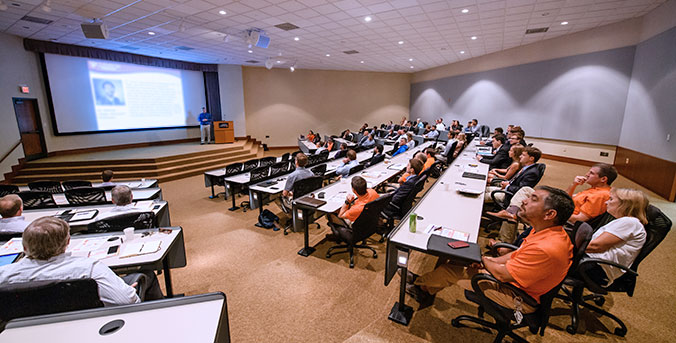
pixel 412 220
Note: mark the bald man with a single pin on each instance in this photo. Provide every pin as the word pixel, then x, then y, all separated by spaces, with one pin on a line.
pixel 11 210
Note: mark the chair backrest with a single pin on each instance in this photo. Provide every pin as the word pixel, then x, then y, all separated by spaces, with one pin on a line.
pixel 600 220
pixel 580 237
pixel 449 156
pixel 279 168
pixel 46 186
pixel 45 297
pixel 305 186
pixel 8 189
pixel 137 220
pixel 319 170
pixel 286 156
pixel 418 139
pixel 293 155
pixel 485 130
pixel 312 160
pixel 420 130
pixel 86 196
pixel 356 169
pixel 5 236
pixel 250 165
pixel 267 161
pixel 408 201
pixel 367 222
pixel 323 156
pixel 443 136
pixel 36 200
pixel 259 174
pixel 541 171
pixel 75 184
pixel 233 168
pixel 377 159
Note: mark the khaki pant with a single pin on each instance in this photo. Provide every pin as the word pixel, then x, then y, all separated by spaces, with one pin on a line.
pixel 205 130
pixel 448 274
pixel 507 229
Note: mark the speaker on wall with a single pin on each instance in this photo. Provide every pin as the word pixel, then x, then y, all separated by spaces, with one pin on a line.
pixel 96 30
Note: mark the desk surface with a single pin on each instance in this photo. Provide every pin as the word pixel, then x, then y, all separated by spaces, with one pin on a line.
pixel 335 193
pixel 138 193
pixel 444 205
pixel 221 172
pixel 144 183
pixel 145 205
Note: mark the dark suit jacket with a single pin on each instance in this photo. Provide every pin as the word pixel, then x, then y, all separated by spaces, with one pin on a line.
pixel 341 154
pixel 401 194
pixel 528 177
pixel 376 159
pixel 500 160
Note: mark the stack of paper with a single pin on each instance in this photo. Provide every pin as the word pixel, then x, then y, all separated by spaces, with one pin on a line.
pixel 447 232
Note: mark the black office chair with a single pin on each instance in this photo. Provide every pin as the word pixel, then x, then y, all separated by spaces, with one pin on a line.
pixel 75 184
pixel 250 165
pixel 362 228
pixel 5 236
pixel 377 159
pixel 323 156
pixel 312 160
pixel 279 168
pixel 107 188
pixel 46 186
pixel 656 230
pixel 37 200
pixel 449 157
pixel 86 196
pixel 293 155
pixel 35 298
pixel 536 321
pixel 319 170
pixel 286 156
pixel 356 169
pixel 267 161
pixel 257 175
pixel 8 189
pixel 300 189
pixel 393 212
pixel 504 203
pixel 137 220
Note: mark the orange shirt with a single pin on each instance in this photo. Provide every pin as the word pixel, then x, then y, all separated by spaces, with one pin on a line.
pixel 542 261
pixel 355 210
pixel 310 137
pixel 428 163
pixel 592 201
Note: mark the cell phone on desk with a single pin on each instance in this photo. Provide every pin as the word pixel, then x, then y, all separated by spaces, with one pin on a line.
pixel 113 250
pixel 458 244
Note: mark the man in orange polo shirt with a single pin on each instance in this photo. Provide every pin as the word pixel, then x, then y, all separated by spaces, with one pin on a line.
pixel 354 205
pixel 536 267
pixel 429 153
pixel 591 202
pixel 422 157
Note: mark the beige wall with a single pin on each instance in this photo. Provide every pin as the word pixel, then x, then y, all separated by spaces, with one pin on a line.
pixel 283 105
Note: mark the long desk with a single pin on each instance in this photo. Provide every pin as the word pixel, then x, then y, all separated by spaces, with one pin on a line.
pixel 170 255
pixel 215 178
pixel 336 193
pixel 340 141
pixel 138 194
pixel 143 183
pixel 160 207
pixel 306 146
pixel 259 189
pixel 442 205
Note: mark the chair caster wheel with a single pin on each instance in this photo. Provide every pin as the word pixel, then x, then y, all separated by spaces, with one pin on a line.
pixel 351 265
pixel 620 332
pixel 455 323
pixel 375 255
pixel 286 233
pixel 328 255
pixel 600 301
pixel 571 330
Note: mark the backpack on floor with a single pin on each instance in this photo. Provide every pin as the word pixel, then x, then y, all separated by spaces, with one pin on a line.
pixel 267 220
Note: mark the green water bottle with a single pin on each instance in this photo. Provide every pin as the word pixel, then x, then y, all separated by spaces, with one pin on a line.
pixel 412 220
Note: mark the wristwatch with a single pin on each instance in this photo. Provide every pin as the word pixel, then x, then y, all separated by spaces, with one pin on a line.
pixel 347 202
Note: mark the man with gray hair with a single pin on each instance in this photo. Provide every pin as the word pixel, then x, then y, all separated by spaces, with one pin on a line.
pixel 45 241
pixel 11 210
pixel 122 197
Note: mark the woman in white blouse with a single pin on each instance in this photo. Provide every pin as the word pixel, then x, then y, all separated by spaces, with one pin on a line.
pixel 621 240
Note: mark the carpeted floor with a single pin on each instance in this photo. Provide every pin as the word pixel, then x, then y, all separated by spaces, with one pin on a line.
pixel 275 295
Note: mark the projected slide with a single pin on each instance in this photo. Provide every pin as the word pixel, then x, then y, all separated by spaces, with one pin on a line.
pixel 130 96
pixel 95 95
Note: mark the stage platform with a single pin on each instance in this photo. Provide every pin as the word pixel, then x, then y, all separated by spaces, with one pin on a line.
pixel 162 162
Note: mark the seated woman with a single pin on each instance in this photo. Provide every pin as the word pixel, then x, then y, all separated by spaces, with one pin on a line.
pixel 621 240
pixel 507 173
pixel 310 136
pixel 462 140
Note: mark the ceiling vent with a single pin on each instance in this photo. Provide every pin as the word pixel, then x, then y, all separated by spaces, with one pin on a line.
pixel 184 48
pixel 252 61
pixel 129 47
pixel 351 52
pixel 538 30
pixel 287 26
pixel 37 20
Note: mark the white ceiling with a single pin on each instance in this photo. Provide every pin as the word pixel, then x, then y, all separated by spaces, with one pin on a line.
pixel 434 32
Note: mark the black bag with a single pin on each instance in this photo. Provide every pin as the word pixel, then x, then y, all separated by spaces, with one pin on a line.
pixel 435 170
pixel 267 220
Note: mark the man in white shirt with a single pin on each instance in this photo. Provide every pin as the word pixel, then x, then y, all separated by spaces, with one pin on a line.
pixel 447 149
pixel 433 134
pixel 348 162
pixel 107 178
pixel 321 146
pixel 122 197
pixel 45 242
pixel 440 125
pixel 11 210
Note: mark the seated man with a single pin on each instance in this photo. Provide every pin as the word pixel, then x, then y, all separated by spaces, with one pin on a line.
pixel 348 162
pixel 377 157
pixel 11 210
pixel 414 168
pixel 430 157
pixel 354 205
pixel 447 149
pixel 500 158
pixel 347 135
pixel 409 140
pixel 122 197
pixel 107 178
pixel 432 134
pixel 539 265
pixel 342 152
pixel 45 241
pixel 368 142
pixel 321 146
pixel 298 174
pixel 528 176
pixel 422 157
pixel 402 147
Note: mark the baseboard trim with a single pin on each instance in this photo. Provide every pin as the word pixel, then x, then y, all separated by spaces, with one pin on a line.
pixel 569 160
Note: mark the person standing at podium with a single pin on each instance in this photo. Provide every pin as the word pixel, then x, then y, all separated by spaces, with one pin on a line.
pixel 205 125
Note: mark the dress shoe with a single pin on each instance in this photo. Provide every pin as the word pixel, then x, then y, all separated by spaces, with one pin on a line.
pixel 423 298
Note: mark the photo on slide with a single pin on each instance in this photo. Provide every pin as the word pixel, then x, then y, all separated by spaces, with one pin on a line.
pixel 109 92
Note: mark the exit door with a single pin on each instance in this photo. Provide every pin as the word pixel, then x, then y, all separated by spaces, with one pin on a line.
pixel 30 128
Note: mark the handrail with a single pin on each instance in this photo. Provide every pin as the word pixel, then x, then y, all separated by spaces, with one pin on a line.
pixel 16 145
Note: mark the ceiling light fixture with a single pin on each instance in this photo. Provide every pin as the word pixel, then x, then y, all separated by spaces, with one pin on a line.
pixel 151 33
pixel 296 39
pixel 410 60
pixel 473 37
pixel 328 55
pixel 368 18
pixel 401 42
pixel 564 23
pixel 462 52
pixel 464 10
pixel 278 61
pixel 361 61
pixel 250 51
pixel 222 12
pixel 411 67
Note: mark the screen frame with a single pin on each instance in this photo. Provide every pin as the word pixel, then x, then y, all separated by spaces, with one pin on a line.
pixel 52 115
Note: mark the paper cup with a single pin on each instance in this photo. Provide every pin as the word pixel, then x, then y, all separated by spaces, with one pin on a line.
pixel 129 234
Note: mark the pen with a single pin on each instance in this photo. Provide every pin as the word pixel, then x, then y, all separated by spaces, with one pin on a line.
pixel 437 228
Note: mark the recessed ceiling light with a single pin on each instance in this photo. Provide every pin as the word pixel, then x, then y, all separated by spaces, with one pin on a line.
pixel 411 67
pixel 328 55
pixel 278 61
pixel 368 19
pixel 410 60
pixel 361 61
pixel 222 12
pixel 296 39
pixel 564 23
pixel 251 51
pixel 473 37
pixel 462 52
pixel 464 10
pixel 151 33
pixel 401 42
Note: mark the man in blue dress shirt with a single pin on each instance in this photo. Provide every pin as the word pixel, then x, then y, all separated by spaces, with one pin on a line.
pixel 205 125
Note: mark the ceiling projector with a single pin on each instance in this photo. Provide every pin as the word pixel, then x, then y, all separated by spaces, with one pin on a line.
pixel 95 29
pixel 257 38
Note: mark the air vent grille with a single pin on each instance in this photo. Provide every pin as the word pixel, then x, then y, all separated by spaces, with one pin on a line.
pixel 538 30
pixel 287 26
pixel 37 20
pixel 351 52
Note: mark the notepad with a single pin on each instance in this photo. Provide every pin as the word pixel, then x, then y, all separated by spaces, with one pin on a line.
pixel 84 215
pixel 447 232
pixel 140 248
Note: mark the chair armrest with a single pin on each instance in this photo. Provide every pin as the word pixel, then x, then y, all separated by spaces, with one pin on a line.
pixel 141 281
pixel 610 263
pixel 495 201
pixel 527 299
pixel 496 181
pixel 591 284
pixel 495 247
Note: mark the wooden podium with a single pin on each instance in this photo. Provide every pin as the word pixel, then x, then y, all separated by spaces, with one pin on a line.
pixel 224 132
